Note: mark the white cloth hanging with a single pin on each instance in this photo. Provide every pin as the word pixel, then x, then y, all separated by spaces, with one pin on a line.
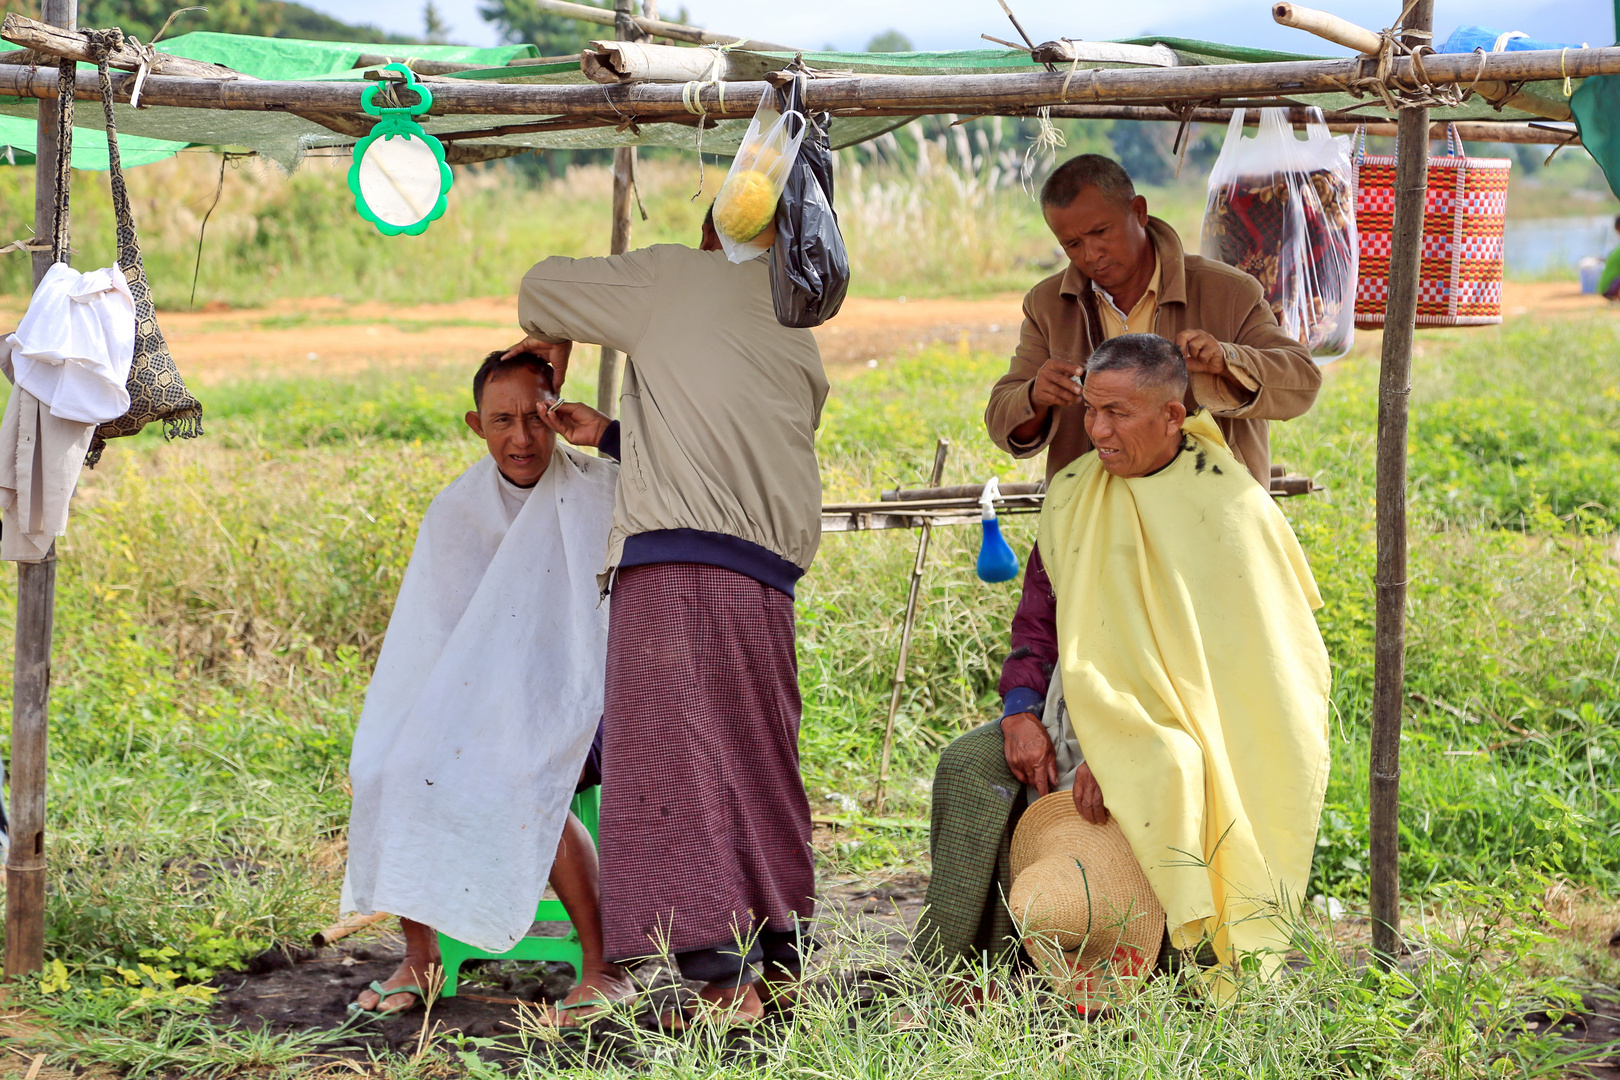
pixel 75 343
pixel 41 457
pixel 483 704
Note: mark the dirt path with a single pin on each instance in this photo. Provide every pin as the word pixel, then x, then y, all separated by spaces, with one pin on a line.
pixel 321 336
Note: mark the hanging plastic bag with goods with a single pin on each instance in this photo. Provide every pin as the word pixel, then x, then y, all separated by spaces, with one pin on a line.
pixel 809 266
pixel 746 206
pixel 1283 209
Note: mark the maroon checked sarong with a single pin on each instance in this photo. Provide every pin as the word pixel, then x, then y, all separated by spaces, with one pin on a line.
pixel 705 830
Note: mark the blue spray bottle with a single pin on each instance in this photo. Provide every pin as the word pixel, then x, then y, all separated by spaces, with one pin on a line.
pixel 996 559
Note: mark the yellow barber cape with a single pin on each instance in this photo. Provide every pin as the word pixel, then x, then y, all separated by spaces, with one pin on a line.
pixel 1197 682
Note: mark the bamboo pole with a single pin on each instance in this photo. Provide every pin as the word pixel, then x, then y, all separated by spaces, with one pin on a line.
pixel 55 41
pixel 36 603
pixel 653 26
pixel 899 684
pixel 1389 633
pixel 1535 132
pixel 1328 27
pixel 849 95
pixel 624 178
pixel 1346 33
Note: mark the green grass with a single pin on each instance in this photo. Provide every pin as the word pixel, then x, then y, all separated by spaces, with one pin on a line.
pixel 221 603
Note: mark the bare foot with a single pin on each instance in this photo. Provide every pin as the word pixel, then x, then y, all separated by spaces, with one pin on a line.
pixel 421 954
pixel 594 995
pixel 723 1007
pixel 779 988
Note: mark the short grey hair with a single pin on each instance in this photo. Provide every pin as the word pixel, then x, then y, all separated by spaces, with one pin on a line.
pixel 1088 170
pixel 1154 360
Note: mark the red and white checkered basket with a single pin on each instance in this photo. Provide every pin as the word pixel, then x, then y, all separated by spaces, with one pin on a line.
pixel 1460 280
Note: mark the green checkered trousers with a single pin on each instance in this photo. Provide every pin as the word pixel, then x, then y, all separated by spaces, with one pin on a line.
pixel 976 805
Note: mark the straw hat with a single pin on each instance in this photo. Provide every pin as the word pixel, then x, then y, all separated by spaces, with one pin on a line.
pixel 1085 909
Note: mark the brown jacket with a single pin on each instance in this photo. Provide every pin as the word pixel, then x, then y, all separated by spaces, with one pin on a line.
pixel 1060 319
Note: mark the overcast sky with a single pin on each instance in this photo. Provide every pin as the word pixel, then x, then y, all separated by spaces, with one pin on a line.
pixel 957 24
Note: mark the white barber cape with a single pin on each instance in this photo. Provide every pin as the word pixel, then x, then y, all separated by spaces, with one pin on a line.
pixel 483 704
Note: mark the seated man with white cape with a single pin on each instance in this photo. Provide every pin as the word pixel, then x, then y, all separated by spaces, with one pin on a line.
pixel 481 718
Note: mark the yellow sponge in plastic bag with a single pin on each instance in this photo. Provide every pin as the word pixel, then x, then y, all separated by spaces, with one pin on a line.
pixel 746 204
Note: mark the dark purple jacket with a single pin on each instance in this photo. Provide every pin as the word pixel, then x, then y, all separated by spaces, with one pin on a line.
pixel 1027 671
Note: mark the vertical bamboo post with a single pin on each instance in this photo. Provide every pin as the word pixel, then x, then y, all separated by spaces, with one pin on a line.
pixel 36 603
pixel 1394 390
pixel 880 794
pixel 624 178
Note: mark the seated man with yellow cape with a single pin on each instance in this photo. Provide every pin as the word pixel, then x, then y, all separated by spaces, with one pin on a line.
pixel 1194 681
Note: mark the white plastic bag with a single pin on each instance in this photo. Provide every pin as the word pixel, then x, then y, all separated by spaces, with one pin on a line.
pixel 1283 209
pixel 747 202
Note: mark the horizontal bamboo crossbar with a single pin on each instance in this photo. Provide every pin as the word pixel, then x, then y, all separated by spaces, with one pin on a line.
pixel 1468 130
pixel 43 39
pixel 853 95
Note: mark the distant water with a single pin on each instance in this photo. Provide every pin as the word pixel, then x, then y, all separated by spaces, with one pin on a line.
pixel 1536 246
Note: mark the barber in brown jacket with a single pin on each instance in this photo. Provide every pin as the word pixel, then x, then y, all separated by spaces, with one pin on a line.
pixel 1128 273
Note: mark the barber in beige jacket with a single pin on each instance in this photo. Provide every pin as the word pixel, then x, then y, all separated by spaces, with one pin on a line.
pixel 705 830
pixel 1128 273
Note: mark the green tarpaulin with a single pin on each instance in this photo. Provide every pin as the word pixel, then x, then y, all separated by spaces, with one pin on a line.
pixel 89 146
pixel 1597 114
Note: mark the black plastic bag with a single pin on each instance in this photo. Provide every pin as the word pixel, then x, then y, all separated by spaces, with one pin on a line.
pixel 809 267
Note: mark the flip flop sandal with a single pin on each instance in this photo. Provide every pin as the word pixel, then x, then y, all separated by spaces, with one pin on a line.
pixel 384 993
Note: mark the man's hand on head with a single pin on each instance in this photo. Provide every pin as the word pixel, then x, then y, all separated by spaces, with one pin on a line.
pixel 575 421
pixel 555 353
pixel 1055 384
pixel 1088 796
pixel 1204 355
pixel 1029 751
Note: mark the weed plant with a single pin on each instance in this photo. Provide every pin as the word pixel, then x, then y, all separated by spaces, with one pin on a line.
pixel 221 603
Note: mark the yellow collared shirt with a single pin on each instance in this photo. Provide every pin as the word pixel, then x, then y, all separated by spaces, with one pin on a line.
pixel 1140 319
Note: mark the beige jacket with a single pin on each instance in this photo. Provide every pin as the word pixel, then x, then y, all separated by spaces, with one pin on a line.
pixel 1060 319
pixel 720 401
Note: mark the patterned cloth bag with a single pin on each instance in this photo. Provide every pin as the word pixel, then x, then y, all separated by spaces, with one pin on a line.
pixel 156 391
pixel 1464 215
pixel 1280 209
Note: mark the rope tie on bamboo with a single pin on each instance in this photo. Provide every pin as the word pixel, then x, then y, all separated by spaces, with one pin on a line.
pixel 1422 93
pixel 24 245
pixel 1563 69
pixel 148 57
pixel 1074 66
pixel 1047 142
pixel 692 92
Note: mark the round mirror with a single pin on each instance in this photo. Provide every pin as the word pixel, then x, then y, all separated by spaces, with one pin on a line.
pixel 400 181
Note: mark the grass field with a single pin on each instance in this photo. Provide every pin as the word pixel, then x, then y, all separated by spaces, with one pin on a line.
pixel 221 604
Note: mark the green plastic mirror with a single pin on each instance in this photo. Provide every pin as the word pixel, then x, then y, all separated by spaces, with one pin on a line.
pixel 399 177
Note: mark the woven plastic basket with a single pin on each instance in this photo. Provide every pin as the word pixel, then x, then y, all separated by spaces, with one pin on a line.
pixel 1460 280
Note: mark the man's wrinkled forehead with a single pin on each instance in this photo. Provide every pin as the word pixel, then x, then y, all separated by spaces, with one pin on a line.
pixel 515 389
pixel 1118 386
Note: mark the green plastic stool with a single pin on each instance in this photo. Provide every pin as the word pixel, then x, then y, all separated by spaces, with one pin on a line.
pixel 587 806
